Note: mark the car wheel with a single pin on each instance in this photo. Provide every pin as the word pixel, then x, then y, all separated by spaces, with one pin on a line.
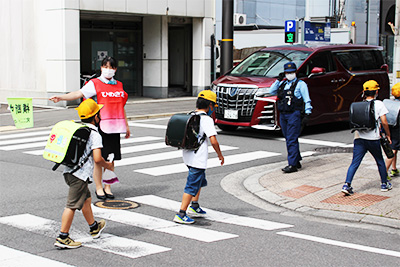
pixel 228 128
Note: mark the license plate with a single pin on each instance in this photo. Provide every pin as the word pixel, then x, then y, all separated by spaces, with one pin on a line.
pixel 231 114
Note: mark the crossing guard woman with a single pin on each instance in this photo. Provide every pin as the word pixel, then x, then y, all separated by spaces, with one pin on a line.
pixel 292 93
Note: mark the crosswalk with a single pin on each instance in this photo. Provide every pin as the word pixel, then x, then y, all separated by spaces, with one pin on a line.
pixel 152 149
pixel 128 247
pixel 133 249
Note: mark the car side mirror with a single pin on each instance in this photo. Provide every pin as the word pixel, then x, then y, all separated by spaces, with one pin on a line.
pixel 385 67
pixel 316 71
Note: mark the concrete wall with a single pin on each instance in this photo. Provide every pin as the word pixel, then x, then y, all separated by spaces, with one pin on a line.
pixel 41 40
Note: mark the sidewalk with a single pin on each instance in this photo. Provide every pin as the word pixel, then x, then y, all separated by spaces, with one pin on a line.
pixel 316 190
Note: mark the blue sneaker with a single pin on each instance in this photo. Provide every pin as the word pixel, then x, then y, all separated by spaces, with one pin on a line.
pixel 386 187
pixel 184 220
pixel 347 190
pixel 199 212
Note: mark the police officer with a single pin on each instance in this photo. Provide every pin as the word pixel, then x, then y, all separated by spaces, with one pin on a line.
pixel 291 93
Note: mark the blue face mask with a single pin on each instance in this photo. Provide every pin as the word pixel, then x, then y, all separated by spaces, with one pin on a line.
pixel 210 112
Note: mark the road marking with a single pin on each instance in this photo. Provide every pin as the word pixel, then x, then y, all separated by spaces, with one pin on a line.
pixel 123 141
pixel 146 125
pixel 133 149
pixel 161 156
pixel 160 225
pixel 19 135
pixel 13 257
pixel 211 163
pixel 140 139
pixel 212 215
pixel 341 244
pixel 108 243
pixel 23 146
pixel 23 140
pixel 317 142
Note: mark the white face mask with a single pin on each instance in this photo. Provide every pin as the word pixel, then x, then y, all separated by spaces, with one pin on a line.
pixel 290 76
pixel 108 73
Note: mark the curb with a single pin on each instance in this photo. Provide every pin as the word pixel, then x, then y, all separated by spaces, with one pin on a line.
pixel 252 185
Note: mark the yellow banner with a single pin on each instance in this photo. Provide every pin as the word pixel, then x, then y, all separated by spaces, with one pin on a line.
pixel 22 111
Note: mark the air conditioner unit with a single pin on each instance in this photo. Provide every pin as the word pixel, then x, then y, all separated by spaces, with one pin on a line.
pixel 239 19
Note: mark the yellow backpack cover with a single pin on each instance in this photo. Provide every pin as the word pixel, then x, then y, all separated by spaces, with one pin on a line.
pixel 66 143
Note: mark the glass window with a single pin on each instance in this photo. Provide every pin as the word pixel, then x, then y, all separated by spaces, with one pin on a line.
pixel 269 63
pixel 320 60
pixel 351 60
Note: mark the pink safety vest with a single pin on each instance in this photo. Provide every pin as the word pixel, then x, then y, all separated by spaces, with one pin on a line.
pixel 114 98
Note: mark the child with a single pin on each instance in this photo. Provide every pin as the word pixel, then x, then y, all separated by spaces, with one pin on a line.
pixel 79 194
pixel 197 161
pixel 369 141
pixel 394 134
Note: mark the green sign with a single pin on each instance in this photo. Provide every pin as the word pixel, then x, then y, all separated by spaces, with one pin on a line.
pixel 22 111
pixel 290 37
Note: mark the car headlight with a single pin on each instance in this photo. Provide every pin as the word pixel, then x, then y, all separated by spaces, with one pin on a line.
pixel 264 91
pixel 213 88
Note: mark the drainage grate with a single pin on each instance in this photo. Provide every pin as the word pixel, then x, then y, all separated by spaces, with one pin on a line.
pixel 334 149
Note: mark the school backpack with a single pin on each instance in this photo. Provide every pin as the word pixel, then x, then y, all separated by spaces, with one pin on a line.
pixel 183 131
pixel 362 116
pixel 66 144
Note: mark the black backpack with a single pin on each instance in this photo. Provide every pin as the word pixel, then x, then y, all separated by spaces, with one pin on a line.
pixel 362 116
pixel 183 131
pixel 66 145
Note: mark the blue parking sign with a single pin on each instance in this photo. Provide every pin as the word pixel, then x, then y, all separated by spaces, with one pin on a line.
pixel 290 26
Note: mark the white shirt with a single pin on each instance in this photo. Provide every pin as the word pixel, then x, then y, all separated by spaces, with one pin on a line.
pixel 199 159
pixel 380 110
pixel 95 141
pixel 89 90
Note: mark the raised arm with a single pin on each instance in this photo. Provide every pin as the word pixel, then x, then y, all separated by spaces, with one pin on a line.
pixel 67 97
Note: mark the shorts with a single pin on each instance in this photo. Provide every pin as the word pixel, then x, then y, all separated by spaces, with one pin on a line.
pixel 195 180
pixel 78 191
pixel 395 136
pixel 111 144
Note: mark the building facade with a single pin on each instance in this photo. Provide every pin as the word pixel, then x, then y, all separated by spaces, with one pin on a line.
pixel 162 46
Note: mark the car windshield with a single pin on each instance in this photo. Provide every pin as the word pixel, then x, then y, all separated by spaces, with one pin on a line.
pixel 269 63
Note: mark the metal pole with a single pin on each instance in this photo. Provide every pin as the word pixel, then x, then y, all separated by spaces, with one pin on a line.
pixel 367 25
pixel 396 54
pixel 227 36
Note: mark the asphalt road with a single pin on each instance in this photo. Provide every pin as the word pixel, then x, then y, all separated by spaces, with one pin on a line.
pixel 236 233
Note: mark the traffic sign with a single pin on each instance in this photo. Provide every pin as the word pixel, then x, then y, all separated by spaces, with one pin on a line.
pixel 317 31
pixel 290 31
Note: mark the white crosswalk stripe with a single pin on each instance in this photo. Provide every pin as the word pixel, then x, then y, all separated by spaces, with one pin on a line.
pixel 160 225
pixel 212 215
pixel 162 156
pixel 108 243
pixel 123 141
pixel 212 163
pixel 15 258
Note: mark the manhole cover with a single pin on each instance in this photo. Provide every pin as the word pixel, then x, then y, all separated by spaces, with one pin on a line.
pixel 116 204
pixel 334 149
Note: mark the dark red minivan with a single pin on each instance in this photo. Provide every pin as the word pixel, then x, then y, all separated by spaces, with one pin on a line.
pixel 334 75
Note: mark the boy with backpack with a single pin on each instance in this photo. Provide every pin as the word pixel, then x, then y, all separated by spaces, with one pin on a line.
pixel 196 160
pixel 78 180
pixel 369 141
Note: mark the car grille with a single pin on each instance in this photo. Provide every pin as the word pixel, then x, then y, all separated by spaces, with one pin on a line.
pixel 236 97
pixel 268 115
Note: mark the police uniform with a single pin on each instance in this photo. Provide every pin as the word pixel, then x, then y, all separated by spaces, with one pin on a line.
pixel 293 98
